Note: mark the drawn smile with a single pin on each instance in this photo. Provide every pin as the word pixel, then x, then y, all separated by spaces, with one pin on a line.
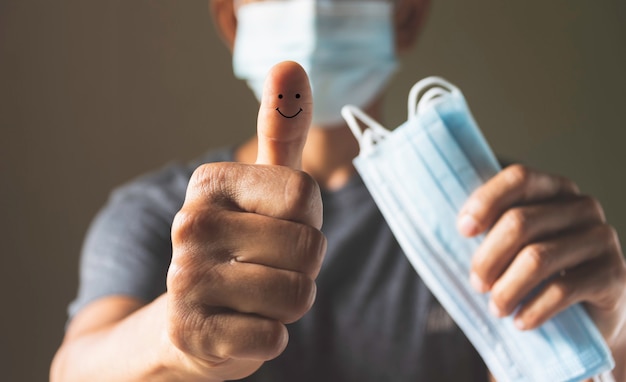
pixel 288 116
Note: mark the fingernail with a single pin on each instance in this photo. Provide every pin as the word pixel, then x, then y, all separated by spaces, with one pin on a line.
pixel 468 226
pixel 519 323
pixel 477 283
pixel 494 309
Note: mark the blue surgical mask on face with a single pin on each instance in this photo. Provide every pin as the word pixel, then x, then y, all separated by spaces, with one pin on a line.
pixel 346 48
pixel 420 175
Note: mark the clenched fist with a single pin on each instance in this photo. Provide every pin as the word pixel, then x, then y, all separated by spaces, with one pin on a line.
pixel 247 245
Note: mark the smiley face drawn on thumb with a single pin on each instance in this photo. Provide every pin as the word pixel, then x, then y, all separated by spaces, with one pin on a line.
pixel 284 115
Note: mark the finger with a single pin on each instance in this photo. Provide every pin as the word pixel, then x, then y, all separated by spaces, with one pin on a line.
pixel 512 186
pixel 540 261
pixel 257 239
pixel 216 335
pixel 523 225
pixel 277 243
pixel 284 116
pixel 583 283
pixel 276 192
pixel 255 289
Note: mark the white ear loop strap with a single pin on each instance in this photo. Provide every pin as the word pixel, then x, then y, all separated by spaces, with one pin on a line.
pixel 420 96
pixel 371 135
pixel 436 86
pixel 604 377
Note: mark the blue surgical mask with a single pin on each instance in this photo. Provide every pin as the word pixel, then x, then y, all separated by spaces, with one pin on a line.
pixel 346 48
pixel 420 175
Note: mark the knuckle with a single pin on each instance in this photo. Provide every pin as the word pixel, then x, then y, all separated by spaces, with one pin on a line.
pixel 175 274
pixel 273 336
pixel 310 242
pixel 225 336
pixel 533 317
pixel 183 226
pixel 610 236
pixel 202 177
pixel 569 185
pixel 206 174
pixel 300 190
pixel 516 221
pixel 214 181
pixel 264 339
pixel 537 256
pixel 201 174
pixel 219 342
pixel 191 224
pixel 499 298
pixel 187 271
pixel 563 291
pixel 593 205
pixel 517 175
pixel 301 297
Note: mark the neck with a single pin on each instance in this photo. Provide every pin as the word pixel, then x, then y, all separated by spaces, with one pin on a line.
pixel 327 154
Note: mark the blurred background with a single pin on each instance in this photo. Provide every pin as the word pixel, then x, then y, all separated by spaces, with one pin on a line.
pixel 94 93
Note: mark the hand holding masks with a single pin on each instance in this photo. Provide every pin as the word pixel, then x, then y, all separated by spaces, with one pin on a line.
pixel 420 175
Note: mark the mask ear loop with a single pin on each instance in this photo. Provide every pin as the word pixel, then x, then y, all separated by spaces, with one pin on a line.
pixel 425 91
pixel 607 376
pixel 368 138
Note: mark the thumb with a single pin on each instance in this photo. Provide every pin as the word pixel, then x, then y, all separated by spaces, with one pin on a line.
pixel 284 116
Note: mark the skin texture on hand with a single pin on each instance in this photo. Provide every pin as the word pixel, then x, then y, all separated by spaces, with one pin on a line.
pixel 541 228
pixel 246 243
pixel 247 248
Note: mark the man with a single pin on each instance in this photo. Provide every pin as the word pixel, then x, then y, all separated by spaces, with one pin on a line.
pixel 246 257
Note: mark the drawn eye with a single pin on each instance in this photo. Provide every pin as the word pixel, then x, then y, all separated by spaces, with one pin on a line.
pixel 297 95
pixel 280 96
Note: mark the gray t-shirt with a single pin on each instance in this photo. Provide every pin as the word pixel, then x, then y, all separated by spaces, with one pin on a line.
pixel 373 318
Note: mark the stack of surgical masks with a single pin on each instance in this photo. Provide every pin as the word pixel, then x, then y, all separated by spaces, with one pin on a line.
pixel 420 175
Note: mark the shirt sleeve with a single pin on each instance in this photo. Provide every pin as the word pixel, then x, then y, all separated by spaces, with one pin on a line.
pixel 127 249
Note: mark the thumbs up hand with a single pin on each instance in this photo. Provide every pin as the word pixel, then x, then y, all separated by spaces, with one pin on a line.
pixel 247 245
